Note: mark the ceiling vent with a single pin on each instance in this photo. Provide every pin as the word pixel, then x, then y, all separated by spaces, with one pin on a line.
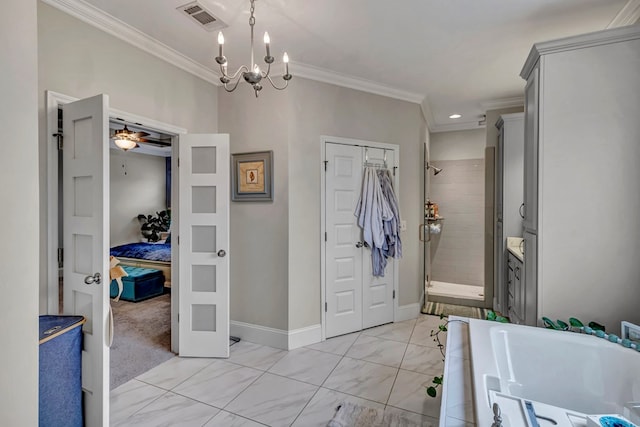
pixel 201 16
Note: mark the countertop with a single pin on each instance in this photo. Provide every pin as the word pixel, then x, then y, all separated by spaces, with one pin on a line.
pixel 516 247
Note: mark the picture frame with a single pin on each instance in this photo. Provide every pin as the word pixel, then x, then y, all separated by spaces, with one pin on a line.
pixel 252 176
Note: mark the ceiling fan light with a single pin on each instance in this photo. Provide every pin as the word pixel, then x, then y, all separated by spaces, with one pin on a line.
pixel 125 144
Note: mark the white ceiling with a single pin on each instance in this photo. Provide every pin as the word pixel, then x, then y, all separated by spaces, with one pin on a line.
pixel 460 56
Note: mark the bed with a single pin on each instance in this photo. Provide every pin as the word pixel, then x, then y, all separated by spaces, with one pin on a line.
pixel 146 255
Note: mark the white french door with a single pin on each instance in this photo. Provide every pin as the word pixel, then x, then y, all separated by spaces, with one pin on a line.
pixel 203 243
pixel 354 298
pixel 86 243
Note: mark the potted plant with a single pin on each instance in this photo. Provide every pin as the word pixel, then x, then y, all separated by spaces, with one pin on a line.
pixel 153 225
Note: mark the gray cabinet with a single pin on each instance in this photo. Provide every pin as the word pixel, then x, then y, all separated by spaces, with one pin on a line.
pixel 515 289
pixel 509 190
pixel 581 177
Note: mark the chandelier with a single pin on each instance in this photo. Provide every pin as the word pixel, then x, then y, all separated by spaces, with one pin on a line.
pixel 252 74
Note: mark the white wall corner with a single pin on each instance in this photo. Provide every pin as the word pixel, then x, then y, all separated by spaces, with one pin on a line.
pixel 260 334
pixel 427 113
pixel 407 312
pixel 305 336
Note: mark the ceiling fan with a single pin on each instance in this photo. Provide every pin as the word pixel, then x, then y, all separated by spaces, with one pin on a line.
pixel 127 140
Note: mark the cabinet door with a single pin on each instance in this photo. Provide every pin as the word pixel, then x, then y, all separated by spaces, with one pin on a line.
pixel 518 288
pixel 531 152
pixel 530 278
pixel 509 293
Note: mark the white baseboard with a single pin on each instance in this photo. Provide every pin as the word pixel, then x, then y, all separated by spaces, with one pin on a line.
pixel 277 338
pixel 408 312
pixel 305 336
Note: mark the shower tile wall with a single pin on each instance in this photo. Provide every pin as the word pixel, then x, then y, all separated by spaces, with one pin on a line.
pixel 457 253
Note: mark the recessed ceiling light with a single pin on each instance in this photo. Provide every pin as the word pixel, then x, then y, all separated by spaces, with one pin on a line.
pixel 455 116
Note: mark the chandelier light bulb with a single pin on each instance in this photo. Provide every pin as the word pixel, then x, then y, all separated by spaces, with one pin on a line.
pixel 256 69
pixel 267 40
pixel 220 38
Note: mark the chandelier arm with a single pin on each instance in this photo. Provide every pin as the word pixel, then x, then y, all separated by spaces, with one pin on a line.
pixel 286 83
pixel 226 86
pixel 237 73
pixel 266 73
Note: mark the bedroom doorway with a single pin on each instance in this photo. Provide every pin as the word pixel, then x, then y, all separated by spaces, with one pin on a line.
pixel 202 197
pixel 139 183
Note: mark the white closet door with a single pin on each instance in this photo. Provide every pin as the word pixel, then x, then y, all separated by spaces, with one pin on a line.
pixel 85 184
pixel 203 242
pixel 377 292
pixel 343 309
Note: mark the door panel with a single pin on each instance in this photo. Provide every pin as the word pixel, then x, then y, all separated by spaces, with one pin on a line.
pixel 86 243
pixel 203 243
pixel 343 258
pixel 377 292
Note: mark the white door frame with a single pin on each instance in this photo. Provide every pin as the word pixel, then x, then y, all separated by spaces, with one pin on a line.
pixel 53 100
pixel 324 140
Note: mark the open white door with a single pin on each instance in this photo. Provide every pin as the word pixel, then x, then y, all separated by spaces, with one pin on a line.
pixel 86 243
pixel 203 242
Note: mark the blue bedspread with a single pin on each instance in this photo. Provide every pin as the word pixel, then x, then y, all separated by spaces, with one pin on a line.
pixel 148 251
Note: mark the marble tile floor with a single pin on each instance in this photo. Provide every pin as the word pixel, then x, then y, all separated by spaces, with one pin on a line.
pixel 386 367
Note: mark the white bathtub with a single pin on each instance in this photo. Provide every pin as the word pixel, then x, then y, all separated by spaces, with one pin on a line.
pixel 577 372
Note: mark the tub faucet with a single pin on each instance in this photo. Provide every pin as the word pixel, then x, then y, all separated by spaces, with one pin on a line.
pixel 497 419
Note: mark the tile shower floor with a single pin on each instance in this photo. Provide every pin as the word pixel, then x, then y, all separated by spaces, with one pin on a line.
pixel 384 367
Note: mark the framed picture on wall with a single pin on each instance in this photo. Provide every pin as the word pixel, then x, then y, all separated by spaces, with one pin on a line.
pixel 252 176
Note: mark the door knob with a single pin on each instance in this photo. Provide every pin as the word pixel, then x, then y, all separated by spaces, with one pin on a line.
pixel 359 244
pixel 221 253
pixel 96 278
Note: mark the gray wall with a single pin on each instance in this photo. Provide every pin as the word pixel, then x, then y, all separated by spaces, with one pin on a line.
pixel 457 253
pixel 281 240
pixel 259 230
pixel 324 109
pixel 137 186
pixel 79 60
pixel 19 215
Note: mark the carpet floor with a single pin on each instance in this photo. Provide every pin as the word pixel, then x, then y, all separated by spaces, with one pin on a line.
pixel 142 337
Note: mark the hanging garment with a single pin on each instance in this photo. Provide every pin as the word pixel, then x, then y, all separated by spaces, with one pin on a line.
pixel 392 226
pixel 372 210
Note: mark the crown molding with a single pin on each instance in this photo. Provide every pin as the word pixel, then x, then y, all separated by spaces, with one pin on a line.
pixel 326 76
pixel 628 15
pixel 456 127
pixel 123 31
pixel 497 104
pixel 582 41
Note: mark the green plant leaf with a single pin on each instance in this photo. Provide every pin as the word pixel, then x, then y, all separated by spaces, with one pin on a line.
pixel 491 315
pixel 431 391
pixel 437 380
pixel 575 322
pixel 443 328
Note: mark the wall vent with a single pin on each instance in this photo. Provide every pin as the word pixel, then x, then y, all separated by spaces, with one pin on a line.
pixel 197 13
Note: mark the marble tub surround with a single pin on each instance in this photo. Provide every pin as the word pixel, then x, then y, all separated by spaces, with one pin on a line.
pixel 387 367
pixel 515 245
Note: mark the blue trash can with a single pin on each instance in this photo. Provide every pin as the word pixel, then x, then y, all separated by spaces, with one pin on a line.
pixel 60 371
